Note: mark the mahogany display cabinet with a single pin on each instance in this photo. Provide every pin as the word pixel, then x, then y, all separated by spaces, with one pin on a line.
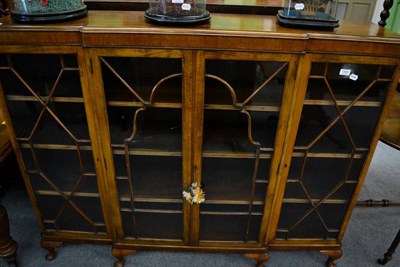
pixel 112 118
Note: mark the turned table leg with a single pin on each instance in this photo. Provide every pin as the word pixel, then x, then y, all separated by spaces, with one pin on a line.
pixel 332 256
pixel 8 247
pixel 389 253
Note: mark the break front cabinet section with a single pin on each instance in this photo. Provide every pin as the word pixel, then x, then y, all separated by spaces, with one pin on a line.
pixel 42 91
pixel 337 116
pixel 113 121
pixel 171 125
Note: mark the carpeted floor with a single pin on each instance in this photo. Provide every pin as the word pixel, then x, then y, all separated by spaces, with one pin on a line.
pixel 370 233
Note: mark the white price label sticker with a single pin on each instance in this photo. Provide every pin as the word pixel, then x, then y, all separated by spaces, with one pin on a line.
pixel 344 72
pixel 353 77
pixel 177 1
pixel 299 6
pixel 186 7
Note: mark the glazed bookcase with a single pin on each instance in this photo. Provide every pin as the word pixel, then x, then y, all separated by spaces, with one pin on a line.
pixel 113 118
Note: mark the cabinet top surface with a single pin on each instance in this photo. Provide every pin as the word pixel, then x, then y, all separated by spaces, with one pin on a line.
pixel 221 25
pixel 134 21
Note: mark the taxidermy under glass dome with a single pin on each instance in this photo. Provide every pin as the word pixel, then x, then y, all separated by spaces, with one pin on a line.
pixel 46 10
pixel 309 13
pixel 177 11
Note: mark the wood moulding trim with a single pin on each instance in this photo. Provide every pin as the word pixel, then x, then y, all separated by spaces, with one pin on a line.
pixel 76 237
pixel 41 36
pixel 354 59
pixel 149 241
pixel 194 42
pixel 202 247
pixel 354 47
pixel 293 245
pixel 97 119
pixel 354 38
pixel 300 81
pixel 148 52
pixel 279 149
pixel 39 49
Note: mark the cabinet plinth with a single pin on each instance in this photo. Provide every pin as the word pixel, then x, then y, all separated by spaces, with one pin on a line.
pixel 118 129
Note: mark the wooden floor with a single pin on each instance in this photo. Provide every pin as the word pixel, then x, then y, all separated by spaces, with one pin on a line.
pixel 391 129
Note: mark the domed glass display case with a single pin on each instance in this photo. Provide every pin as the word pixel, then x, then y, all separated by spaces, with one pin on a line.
pixel 46 10
pixel 309 13
pixel 177 11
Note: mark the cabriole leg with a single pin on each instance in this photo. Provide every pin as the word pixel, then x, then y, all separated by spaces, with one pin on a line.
pixel 50 247
pixel 332 256
pixel 260 258
pixel 120 255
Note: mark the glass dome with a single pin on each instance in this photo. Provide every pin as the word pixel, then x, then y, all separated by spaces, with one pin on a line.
pixel 309 13
pixel 46 10
pixel 177 11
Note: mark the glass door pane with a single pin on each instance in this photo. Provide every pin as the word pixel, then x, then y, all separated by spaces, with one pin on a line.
pixel 341 109
pixel 144 106
pixel 44 99
pixel 241 113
